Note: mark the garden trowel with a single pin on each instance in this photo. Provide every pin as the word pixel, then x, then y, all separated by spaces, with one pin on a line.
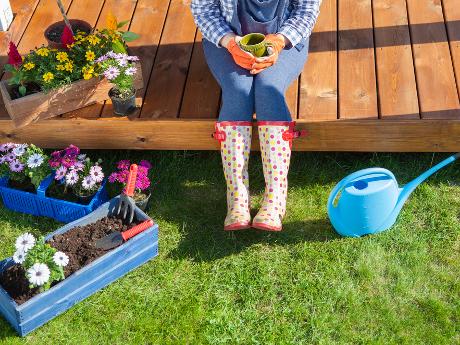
pixel 116 239
pixel 126 203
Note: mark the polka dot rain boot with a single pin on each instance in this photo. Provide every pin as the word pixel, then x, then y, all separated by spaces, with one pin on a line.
pixel 275 146
pixel 235 143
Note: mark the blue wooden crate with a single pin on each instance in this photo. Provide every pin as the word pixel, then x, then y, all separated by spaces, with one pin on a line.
pixel 40 205
pixel 41 308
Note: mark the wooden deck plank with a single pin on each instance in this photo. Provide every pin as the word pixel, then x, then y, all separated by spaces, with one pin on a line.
pixel 202 92
pixel 342 135
pixel 167 81
pixel 397 88
pixel 318 82
pixel 122 10
pixel 148 21
pixel 356 61
pixel 452 18
pixel 433 65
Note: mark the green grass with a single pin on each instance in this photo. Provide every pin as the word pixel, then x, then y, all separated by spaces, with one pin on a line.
pixel 305 285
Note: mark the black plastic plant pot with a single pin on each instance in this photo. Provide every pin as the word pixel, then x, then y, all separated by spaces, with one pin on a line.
pixel 122 106
pixel 54 32
pixel 85 199
pixel 142 204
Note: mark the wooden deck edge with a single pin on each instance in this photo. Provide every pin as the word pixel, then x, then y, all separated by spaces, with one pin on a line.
pixel 338 135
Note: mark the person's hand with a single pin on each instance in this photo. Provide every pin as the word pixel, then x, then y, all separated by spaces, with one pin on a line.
pixel 276 42
pixel 243 59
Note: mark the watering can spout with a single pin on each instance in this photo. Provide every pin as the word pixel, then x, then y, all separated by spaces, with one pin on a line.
pixel 407 190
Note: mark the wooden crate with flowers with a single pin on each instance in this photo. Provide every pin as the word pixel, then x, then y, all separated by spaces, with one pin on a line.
pixel 52 81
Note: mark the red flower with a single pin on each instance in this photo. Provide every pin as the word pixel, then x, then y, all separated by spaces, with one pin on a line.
pixel 14 58
pixel 67 37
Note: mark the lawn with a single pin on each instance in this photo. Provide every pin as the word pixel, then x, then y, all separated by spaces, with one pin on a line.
pixel 305 285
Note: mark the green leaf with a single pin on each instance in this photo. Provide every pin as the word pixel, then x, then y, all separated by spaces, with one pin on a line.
pixel 9 68
pixel 118 47
pixel 121 24
pixel 129 36
pixel 22 90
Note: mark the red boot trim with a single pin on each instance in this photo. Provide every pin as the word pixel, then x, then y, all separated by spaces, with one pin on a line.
pixel 266 227
pixel 237 226
pixel 235 123
pixel 292 134
pixel 219 135
pixel 274 123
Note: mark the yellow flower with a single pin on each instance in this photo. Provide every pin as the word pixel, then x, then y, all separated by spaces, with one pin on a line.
pixel 88 72
pixel 111 22
pixel 43 51
pixel 90 56
pixel 68 66
pixel 62 56
pixel 48 76
pixel 87 76
pixel 28 66
pixel 93 39
pixel 60 67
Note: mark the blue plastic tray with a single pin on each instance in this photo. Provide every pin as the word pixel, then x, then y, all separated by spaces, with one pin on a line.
pixel 41 308
pixel 40 205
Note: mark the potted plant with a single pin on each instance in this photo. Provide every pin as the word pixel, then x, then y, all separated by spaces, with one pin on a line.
pixel 119 178
pixel 88 268
pixel 48 82
pixel 75 175
pixel 26 184
pixel 24 166
pixel 120 70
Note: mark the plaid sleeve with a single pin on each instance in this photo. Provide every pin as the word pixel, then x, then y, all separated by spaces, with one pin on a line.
pixel 301 21
pixel 209 19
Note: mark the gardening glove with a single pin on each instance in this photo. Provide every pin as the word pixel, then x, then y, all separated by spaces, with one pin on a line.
pixel 243 59
pixel 276 45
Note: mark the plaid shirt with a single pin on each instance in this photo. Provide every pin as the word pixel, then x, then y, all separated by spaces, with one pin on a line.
pixel 213 17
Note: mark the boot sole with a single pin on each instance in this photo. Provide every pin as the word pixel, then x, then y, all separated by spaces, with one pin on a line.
pixel 237 226
pixel 265 227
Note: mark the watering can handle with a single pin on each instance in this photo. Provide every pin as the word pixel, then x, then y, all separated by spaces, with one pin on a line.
pixel 352 177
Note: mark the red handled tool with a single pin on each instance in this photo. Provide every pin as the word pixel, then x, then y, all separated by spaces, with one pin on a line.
pixel 126 203
pixel 117 238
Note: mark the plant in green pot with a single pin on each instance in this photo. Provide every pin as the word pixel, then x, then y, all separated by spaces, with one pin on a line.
pixel 119 178
pixel 120 70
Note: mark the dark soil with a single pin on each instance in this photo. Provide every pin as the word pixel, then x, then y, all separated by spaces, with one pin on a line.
pixel 31 88
pixel 79 245
pixel 57 191
pixel 25 186
pixel 56 33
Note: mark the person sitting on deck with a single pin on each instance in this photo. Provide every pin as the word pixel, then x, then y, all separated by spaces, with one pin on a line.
pixel 255 85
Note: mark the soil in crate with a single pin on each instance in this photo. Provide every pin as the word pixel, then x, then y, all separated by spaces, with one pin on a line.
pixel 25 186
pixel 57 191
pixel 31 88
pixel 56 33
pixel 79 245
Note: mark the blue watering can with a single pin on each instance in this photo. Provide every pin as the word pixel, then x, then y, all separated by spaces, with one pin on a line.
pixel 369 200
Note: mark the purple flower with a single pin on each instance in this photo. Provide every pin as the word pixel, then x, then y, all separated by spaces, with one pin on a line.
pixel 2 159
pixel 71 178
pixel 16 166
pixel 68 161
pixel 78 166
pixel 72 150
pixel 5 147
pixel 96 173
pixel 142 182
pixel 101 59
pixel 123 164
pixel 131 71
pixel 133 58
pixel 111 55
pixel 145 163
pixel 88 183
pixel 111 73
pixel 142 171
pixel 113 177
pixel 123 176
pixel 10 157
pixel 60 173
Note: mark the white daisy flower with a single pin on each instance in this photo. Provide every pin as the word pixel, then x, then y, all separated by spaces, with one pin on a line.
pixel 38 274
pixel 61 259
pixel 96 173
pixel 25 242
pixel 35 160
pixel 71 178
pixel 19 150
pixel 19 257
pixel 88 183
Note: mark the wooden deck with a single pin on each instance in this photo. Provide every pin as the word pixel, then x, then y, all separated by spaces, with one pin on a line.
pixel 382 75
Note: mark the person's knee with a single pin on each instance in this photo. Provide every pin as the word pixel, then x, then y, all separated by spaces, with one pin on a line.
pixel 269 88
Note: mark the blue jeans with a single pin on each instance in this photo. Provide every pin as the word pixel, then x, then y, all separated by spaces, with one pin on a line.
pixel 244 94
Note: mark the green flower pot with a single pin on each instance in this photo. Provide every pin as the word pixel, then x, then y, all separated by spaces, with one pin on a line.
pixel 254 44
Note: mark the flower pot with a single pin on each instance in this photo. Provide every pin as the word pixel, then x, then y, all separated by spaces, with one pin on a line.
pixel 106 269
pixel 85 199
pixel 38 204
pixel 142 204
pixel 123 106
pixel 40 105
pixel 54 32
